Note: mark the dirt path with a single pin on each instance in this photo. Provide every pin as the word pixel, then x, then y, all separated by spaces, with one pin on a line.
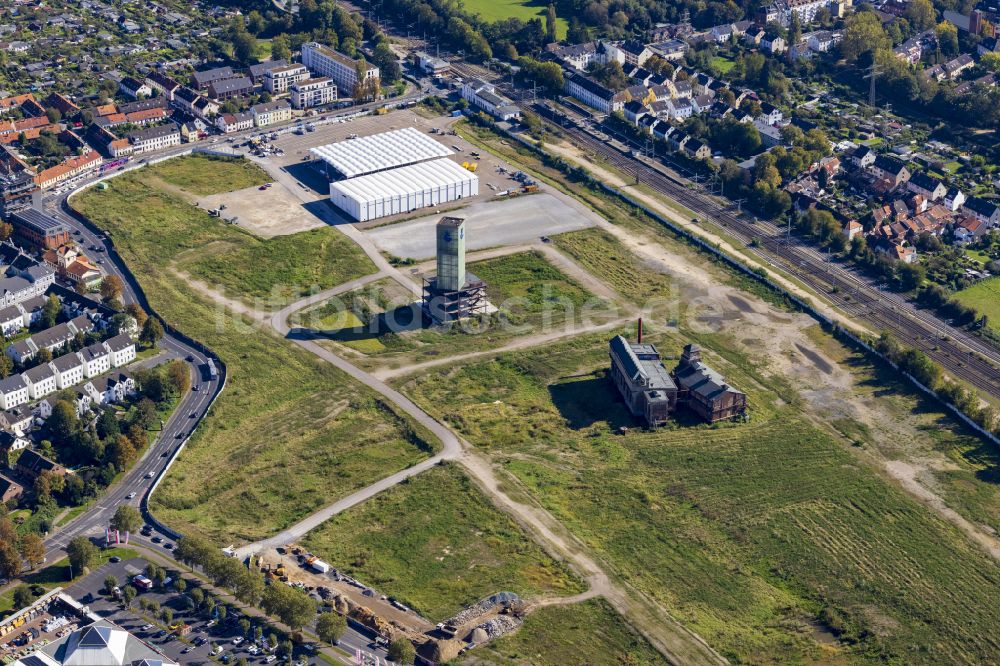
pixel 521 343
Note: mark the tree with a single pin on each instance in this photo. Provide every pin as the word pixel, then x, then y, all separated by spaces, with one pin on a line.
pixel 6 229
pixel 152 332
pixel 863 34
pixel 223 611
pixel 256 23
pixel 82 554
pixel 10 560
pixel 330 627
pixel 112 288
pixel 180 585
pixel 920 14
pixel 120 452
pixel 401 651
pixel 23 596
pixel 6 366
pixel 197 596
pixel 291 606
pixel 135 311
pixel 244 47
pixel 180 376
pixel 280 48
pixel 32 549
pixel 167 615
pixel 64 423
pixel 110 583
pixel 126 519
pixel 50 311
pixel 550 23
pixel 128 595
pixel 991 61
pixel 244 626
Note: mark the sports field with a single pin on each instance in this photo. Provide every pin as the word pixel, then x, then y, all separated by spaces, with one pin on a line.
pixel 525 10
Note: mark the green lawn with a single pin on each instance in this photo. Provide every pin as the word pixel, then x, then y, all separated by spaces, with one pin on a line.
pixel 521 9
pixel 759 536
pixel 723 64
pixel 437 544
pixel 279 269
pixel 527 283
pixel 591 633
pixel 984 296
pixel 290 433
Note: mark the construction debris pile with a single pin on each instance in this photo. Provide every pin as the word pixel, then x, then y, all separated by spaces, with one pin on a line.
pixel 507 600
pixel 495 628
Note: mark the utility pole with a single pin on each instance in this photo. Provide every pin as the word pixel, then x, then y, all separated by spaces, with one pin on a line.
pixel 872 74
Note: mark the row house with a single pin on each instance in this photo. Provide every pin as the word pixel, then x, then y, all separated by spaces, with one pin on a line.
pixel 69 168
pixel 985 210
pixel 15 318
pixel 227 123
pixel 890 169
pixel 16 419
pixel 202 80
pixel 929 187
pixel 163 83
pixel 270 113
pixel 593 94
pixel 230 88
pixel 50 339
pixel 134 88
pixel 155 138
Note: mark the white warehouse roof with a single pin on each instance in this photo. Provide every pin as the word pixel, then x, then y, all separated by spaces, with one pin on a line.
pixel 403 189
pixel 357 157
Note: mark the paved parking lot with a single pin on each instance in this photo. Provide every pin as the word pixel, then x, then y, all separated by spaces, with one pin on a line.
pixel 184 650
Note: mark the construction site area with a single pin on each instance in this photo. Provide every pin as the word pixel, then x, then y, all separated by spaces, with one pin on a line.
pixel 385 618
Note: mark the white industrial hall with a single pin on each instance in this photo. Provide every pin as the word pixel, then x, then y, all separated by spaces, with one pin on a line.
pixel 392 172
pixel 403 190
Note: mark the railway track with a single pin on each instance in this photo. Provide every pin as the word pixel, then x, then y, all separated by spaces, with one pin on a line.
pixel 962 355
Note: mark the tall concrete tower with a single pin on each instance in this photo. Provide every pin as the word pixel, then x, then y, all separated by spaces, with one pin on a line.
pixel 451 254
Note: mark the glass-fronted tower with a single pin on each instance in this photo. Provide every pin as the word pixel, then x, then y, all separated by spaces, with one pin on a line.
pixel 451 253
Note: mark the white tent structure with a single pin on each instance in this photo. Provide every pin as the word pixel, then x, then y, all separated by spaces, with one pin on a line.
pixel 357 157
pixel 403 190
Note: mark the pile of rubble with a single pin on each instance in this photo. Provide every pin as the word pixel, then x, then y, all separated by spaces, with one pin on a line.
pixel 505 599
pixel 496 627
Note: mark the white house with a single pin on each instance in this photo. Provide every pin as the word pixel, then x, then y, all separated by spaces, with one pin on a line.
pixel 17 419
pixel 96 360
pixel 324 61
pixel 270 113
pixel 122 349
pixel 986 210
pixel 113 388
pixel 228 123
pixel 313 92
pixel 931 188
pixel 13 392
pixel 12 320
pixel 280 79
pixel 954 199
pixel 41 381
pixel 12 441
pixel 68 369
pixel 592 93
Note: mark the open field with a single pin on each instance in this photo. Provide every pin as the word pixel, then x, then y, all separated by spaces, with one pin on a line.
pixel 608 260
pixel 289 433
pixel 590 633
pixel 189 174
pixel 505 9
pixel 533 294
pixel 437 544
pixel 136 210
pixel 770 539
pixel 984 296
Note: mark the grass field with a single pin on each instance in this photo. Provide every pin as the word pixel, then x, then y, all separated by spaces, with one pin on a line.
pixel 606 258
pixel 289 434
pixel 585 634
pixel 188 173
pixel 436 543
pixel 984 296
pixel 723 64
pixel 523 285
pixel 768 538
pixel 279 269
pixel 521 9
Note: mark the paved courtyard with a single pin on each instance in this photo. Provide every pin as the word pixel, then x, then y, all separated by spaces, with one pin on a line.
pixel 488 224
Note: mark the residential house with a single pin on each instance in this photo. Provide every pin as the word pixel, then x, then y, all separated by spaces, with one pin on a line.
pixel 270 113
pixel 32 464
pixel 696 149
pixel 577 56
pixel 672 49
pixel 930 188
pixel 134 88
pixel 228 123
pixel 986 210
pixel 853 228
pixel 96 359
pixel 163 83
pixel 68 369
pixel 10 490
pixel 891 169
pixel 969 229
pixel 230 88
pixel 17 419
pixel 863 156
pixel 202 80
pixel 41 381
pixel 13 391
pixel 155 138
pixel 954 199
pixel 122 349
pixel 636 52
pixel 259 71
